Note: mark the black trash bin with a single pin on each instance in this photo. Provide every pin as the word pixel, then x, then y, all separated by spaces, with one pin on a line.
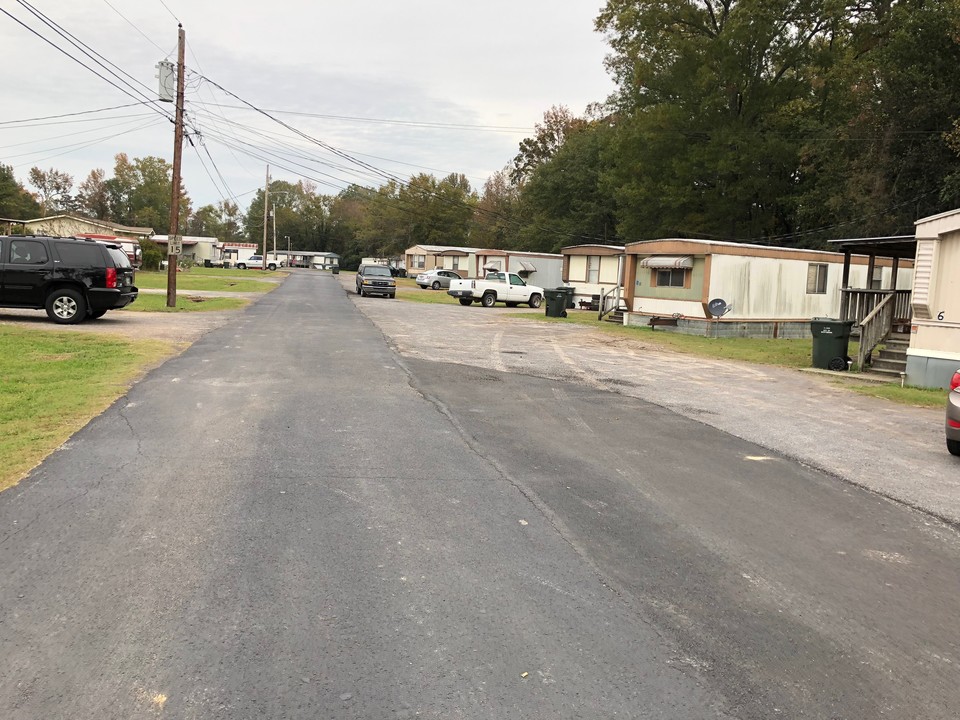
pixel 335 270
pixel 830 340
pixel 226 264
pixel 568 291
pixel 556 302
pixel 207 262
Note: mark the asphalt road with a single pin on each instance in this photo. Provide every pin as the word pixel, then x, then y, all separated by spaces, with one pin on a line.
pixel 295 520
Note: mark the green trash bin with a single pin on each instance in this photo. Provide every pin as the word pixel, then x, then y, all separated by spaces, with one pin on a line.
pixel 568 291
pixel 830 340
pixel 335 270
pixel 556 302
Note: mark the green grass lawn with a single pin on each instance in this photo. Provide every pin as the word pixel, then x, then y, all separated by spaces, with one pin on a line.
pixel 407 289
pixel 52 383
pixel 193 280
pixel 185 303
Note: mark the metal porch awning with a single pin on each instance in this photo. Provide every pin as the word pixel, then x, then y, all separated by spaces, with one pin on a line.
pixel 526 267
pixel 664 262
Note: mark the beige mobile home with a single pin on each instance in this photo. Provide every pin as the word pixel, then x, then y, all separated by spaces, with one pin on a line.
pixel 67 225
pixel 420 258
pixel 771 291
pixel 934 352
pixel 592 270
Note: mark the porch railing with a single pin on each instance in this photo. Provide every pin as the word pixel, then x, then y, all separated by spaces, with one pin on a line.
pixel 609 301
pixel 858 304
pixel 875 327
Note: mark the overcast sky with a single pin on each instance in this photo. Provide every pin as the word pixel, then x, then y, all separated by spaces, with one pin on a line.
pixel 390 77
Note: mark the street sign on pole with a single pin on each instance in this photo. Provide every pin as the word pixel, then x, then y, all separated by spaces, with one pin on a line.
pixel 175 245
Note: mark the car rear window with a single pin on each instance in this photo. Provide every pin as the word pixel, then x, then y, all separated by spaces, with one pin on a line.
pixel 119 257
pixel 80 254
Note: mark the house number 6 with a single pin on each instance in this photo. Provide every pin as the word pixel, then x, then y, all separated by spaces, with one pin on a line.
pixel 940 315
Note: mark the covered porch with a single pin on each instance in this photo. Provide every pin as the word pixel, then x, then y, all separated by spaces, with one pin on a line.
pixel 877 312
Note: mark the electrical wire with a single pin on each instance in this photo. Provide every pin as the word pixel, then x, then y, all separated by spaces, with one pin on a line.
pixel 73 114
pixel 81 132
pixel 81 146
pixel 131 24
pixel 131 90
pixel 386 121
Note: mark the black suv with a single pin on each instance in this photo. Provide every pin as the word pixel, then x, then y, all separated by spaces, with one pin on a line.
pixel 71 278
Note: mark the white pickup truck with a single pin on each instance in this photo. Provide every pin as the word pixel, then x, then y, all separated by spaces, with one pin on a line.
pixel 505 287
pixel 255 262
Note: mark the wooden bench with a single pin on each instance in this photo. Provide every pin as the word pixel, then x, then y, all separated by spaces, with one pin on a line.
pixel 665 321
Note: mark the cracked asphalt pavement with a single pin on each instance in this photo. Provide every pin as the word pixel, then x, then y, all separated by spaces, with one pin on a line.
pixel 311 515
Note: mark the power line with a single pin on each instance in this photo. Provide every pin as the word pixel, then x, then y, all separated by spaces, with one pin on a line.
pixel 81 132
pixel 131 24
pixel 387 121
pixel 82 146
pixel 171 12
pixel 125 91
pixel 73 114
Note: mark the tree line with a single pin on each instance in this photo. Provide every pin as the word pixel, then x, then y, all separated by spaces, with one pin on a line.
pixel 784 122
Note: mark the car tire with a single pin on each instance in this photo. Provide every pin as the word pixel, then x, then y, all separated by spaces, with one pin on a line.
pixel 488 300
pixel 466 302
pixel 66 306
pixel 241 266
pixel 535 301
pixel 436 285
pixel 94 314
pixel 271 266
pixel 953 446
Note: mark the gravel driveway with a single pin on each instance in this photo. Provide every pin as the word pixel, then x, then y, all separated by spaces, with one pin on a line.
pixel 894 450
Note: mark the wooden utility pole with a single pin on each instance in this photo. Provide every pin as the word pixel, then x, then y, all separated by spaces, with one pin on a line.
pixel 173 237
pixel 266 216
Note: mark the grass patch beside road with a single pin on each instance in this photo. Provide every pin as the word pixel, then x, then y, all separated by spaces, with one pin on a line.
pixel 918 397
pixel 407 289
pixel 185 303
pixel 53 382
pixel 190 281
pixel 782 353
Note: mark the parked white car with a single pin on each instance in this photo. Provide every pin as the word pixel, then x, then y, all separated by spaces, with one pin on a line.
pixel 496 287
pixel 436 278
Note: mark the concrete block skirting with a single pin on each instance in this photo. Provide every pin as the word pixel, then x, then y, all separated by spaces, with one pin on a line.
pixel 769 329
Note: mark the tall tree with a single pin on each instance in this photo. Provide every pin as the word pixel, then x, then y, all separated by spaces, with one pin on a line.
pixel 15 202
pixel 558 123
pixel 139 193
pixel 495 216
pixel 565 200
pixel 53 190
pixel 93 197
pixel 780 119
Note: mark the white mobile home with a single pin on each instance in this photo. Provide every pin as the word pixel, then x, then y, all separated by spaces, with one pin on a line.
pixel 543 269
pixel 772 291
pixel 934 352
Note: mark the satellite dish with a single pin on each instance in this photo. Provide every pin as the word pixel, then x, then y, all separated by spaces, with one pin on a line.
pixel 717 307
